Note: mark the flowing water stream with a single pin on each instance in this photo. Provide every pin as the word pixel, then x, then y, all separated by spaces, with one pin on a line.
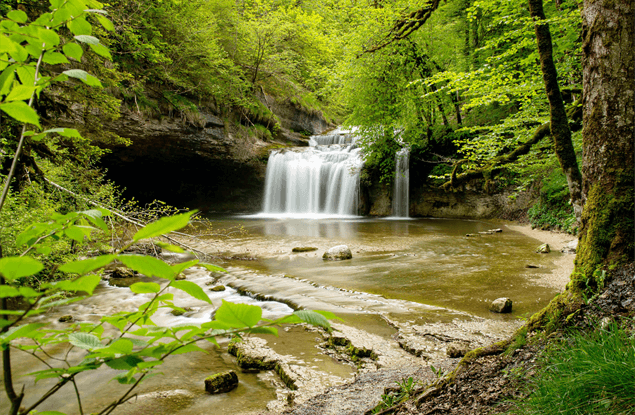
pixel 403 273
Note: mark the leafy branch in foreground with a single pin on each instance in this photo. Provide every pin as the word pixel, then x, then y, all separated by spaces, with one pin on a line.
pixel 138 345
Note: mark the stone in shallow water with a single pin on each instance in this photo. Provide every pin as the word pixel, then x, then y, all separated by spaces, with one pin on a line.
pixel 338 253
pixel 218 288
pixel 501 305
pixel 543 249
pixel 221 382
pixel 66 319
pixel 304 249
pixel 122 272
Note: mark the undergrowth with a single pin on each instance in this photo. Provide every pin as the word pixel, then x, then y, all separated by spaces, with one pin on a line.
pixel 585 373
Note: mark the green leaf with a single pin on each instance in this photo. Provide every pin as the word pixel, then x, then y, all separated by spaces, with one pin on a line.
pixel 149 266
pixel 20 93
pixel 192 289
pixel 189 348
pixel 313 318
pixel 178 268
pixel 75 234
pixel 238 315
pixel 121 346
pixel 26 74
pixel 6 79
pixel 91 40
pixel 73 50
pixel 124 363
pixel 213 268
pixel 54 58
pixel 84 76
pixel 263 330
pixel 17 16
pixel 87 265
pixel 50 38
pixel 87 283
pixel 328 315
pixel 20 111
pixel 102 51
pixel 8 291
pixel 16 267
pixel 20 331
pixel 145 287
pixel 85 341
pixel 169 247
pixel 107 24
pixel 164 225
pixel 79 26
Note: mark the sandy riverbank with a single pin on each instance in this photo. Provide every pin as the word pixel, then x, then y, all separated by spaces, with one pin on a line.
pixel 561 275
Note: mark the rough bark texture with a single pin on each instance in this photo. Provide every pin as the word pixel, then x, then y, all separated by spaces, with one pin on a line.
pixel 606 238
pixel 559 125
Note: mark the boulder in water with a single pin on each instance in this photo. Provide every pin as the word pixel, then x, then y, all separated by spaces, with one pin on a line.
pixel 304 249
pixel 221 382
pixel 122 272
pixel 501 305
pixel 218 288
pixel 338 253
pixel 570 247
pixel 544 249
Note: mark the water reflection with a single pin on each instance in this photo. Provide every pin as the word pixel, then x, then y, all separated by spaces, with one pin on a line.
pixel 312 228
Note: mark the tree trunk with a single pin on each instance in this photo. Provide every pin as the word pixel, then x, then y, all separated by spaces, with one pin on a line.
pixel 606 233
pixel 559 124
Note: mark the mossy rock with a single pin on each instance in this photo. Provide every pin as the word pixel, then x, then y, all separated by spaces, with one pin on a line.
pixel 218 288
pixel 304 249
pixel 543 249
pixel 122 272
pixel 66 319
pixel 249 363
pixel 221 382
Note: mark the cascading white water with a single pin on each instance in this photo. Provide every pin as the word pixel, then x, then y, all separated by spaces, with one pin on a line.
pixel 401 192
pixel 320 179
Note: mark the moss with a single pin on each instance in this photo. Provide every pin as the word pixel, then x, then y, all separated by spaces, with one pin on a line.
pixel 221 382
pixel 607 239
pixel 247 362
pixel 285 378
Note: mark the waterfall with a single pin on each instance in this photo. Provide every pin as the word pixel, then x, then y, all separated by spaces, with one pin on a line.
pixel 320 179
pixel 401 196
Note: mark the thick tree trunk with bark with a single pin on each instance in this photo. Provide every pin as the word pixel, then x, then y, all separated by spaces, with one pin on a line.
pixel 607 227
pixel 559 125
pixel 606 236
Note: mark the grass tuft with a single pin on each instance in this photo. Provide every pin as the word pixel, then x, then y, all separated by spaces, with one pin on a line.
pixel 587 373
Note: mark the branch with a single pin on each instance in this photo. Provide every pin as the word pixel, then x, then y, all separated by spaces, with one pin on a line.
pixel 404 27
pixel 541 132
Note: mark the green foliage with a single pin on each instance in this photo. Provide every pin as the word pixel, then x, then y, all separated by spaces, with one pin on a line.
pixel 585 373
pixel 140 345
pixel 553 209
pixel 406 389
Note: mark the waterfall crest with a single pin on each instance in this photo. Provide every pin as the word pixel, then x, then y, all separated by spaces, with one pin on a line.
pixel 401 190
pixel 322 179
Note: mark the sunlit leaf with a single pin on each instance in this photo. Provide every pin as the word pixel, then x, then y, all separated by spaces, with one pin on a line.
pixel 73 50
pixel 145 287
pixel 238 315
pixel 313 318
pixel 211 267
pixel 87 265
pixel 20 111
pixel 192 289
pixel 16 267
pixel 20 93
pixel 164 226
pixel 85 341
pixel 87 284
pixel 84 76
pixel 149 266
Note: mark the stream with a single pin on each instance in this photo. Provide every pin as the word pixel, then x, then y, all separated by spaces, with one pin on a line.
pixel 404 275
